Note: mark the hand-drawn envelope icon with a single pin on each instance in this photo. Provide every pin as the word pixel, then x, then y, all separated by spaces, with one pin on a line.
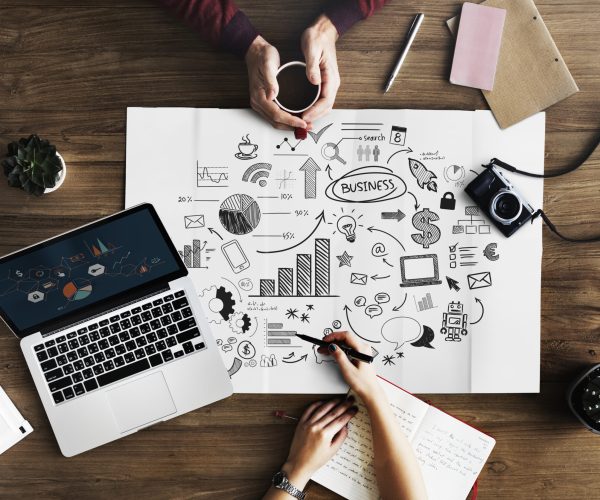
pixel 479 280
pixel 193 221
pixel 358 279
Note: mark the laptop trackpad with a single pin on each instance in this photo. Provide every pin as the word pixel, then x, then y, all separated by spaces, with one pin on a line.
pixel 141 402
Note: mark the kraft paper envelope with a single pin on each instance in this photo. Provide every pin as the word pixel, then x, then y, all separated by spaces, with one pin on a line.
pixel 531 74
pixel 194 221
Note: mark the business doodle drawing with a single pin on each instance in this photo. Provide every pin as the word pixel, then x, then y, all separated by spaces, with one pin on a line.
pixel 364 227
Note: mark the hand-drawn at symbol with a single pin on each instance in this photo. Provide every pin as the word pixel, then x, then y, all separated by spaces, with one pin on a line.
pixel 346 225
pixel 317 135
pixel 425 178
pixel 304 318
pixel 345 259
pixel 96 270
pixel 310 169
pixel 398 215
pixel 291 313
pixel 193 221
pixel 419 270
pixel 425 339
pixel 382 298
pixel 400 330
pixel 240 323
pixel 287 143
pixel 378 250
pixel 220 303
pixel 358 279
pixel 246 150
pixel 370 184
pixel 331 151
pixel 448 202
pixel 388 360
pixel 291 358
pixel 422 221
pixel 252 363
pixel 452 284
pixel 211 176
pixel 239 214
pixel 472 225
pixel 321 358
pixel 245 284
pixel 373 310
pixel 35 297
pixel 336 324
pixel 246 350
pixel 425 303
pixel 360 301
pixel 479 280
pixel 454 322
pixel 269 362
pixel 285 179
pixel 490 251
pixel 235 256
pixel 255 172
pixel 454 173
pixel 235 367
pixel 398 135
pixel 310 307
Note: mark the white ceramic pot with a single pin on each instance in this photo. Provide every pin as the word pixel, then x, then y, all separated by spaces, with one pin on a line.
pixel 63 174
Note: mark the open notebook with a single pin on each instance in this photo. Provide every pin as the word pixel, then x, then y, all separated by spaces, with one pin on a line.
pixel 451 453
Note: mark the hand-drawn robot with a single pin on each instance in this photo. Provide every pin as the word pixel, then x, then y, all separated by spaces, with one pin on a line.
pixel 454 322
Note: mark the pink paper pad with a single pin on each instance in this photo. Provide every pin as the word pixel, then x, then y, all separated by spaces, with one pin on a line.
pixel 477 46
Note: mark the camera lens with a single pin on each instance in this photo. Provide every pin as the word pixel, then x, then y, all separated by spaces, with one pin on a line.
pixel 506 206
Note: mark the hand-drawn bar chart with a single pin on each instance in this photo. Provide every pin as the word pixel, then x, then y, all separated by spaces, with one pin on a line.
pixel 425 303
pixel 283 286
pixel 276 336
pixel 192 255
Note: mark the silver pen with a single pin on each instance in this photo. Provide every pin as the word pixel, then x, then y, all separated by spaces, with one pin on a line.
pixel 410 36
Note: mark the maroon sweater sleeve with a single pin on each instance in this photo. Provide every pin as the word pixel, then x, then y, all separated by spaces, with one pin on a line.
pixel 345 13
pixel 220 22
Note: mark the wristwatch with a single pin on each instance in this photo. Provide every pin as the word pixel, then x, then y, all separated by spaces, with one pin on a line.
pixel 281 482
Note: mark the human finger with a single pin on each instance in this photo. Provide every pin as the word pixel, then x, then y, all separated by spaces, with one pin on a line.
pixel 309 411
pixel 312 56
pixel 323 410
pixel 337 424
pixel 349 339
pixel 336 411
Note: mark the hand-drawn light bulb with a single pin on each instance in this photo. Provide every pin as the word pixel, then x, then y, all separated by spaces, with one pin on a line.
pixel 347 226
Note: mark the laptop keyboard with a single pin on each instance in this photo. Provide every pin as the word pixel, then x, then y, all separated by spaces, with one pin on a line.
pixel 127 342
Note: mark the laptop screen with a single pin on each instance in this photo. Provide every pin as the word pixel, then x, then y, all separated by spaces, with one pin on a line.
pixel 85 268
pixel 421 267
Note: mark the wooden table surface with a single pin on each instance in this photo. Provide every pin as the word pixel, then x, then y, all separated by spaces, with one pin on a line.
pixel 68 71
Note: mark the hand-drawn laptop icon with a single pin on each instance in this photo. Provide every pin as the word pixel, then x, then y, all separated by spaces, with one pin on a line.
pixel 419 270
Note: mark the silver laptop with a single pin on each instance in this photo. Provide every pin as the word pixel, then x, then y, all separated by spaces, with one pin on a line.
pixel 111 329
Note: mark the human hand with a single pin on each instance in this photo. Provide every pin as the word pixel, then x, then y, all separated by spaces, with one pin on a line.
pixel 262 60
pixel 318 46
pixel 361 377
pixel 320 432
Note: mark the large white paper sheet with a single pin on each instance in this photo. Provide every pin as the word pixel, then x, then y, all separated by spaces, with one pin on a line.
pixel 363 226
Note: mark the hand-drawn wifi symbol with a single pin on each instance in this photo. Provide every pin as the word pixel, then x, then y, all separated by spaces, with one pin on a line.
pixel 255 172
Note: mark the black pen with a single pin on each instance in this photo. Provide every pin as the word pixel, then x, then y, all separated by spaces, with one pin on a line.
pixel 348 350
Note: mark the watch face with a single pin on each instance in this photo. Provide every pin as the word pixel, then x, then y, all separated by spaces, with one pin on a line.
pixel 278 478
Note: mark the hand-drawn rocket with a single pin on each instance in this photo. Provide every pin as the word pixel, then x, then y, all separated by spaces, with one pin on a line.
pixel 425 178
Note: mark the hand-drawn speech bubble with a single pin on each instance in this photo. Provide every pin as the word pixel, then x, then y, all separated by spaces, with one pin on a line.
pixel 400 330
pixel 369 184
pixel 382 298
pixel 373 310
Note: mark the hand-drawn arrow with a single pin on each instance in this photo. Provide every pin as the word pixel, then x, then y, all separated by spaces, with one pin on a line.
pixel 346 308
pixel 296 361
pixel 290 355
pixel 377 277
pixel 482 312
pixel 328 170
pixel 320 218
pixel 408 150
pixel 397 308
pixel 416 202
pixel 371 229
pixel 398 215
pixel 384 260
pixel 214 232
pixel 310 169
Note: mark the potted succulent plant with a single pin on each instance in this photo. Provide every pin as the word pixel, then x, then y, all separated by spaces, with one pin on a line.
pixel 34 165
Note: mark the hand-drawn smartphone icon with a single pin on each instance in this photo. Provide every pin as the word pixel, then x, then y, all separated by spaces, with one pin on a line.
pixel 235 256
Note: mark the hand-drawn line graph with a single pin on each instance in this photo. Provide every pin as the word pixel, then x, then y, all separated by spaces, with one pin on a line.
pixel 211 176
pixel 286 180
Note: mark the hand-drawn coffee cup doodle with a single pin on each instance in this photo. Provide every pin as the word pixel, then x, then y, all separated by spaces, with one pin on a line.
pixel 425 339
pixel 373 310
pixel 382 298
pixel 246 150
pixel 245 284
pixel 360 301
pixel 401 330
pixel 369 184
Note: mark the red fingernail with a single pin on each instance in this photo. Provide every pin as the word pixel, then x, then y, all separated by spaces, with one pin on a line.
pixel 300 133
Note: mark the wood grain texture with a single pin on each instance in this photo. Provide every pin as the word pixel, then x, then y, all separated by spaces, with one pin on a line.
pixel 69 69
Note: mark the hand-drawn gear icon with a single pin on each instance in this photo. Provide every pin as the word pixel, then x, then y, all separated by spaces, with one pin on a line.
pixel 240 322
pixel 220 304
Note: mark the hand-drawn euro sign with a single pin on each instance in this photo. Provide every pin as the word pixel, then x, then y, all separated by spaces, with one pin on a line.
pixel 370 184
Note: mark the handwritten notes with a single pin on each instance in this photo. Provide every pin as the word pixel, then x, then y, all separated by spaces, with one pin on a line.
pixel 451 453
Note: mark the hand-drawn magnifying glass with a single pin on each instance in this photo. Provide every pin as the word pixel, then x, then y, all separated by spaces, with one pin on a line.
pixel 330 151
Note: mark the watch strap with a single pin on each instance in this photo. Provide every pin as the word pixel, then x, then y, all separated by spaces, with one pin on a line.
pixel 289 488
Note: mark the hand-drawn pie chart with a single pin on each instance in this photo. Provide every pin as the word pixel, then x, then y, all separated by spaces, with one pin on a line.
pixel 77 289
pixel 239 214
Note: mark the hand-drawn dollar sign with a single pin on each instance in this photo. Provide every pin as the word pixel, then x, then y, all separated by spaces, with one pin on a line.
pixel 430 232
